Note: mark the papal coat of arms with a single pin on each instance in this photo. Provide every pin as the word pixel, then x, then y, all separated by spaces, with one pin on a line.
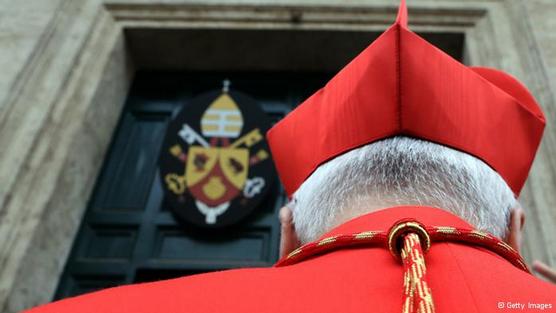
pixel 215 165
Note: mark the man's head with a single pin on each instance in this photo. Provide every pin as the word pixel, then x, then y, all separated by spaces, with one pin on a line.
pixel 402 171
pixel 402 85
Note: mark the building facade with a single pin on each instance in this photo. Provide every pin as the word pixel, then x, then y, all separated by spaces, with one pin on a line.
pixel 88 87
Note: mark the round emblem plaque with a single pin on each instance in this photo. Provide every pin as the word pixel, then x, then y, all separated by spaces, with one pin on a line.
pixel 215 163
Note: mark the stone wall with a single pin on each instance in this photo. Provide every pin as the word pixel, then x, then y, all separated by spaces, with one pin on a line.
pixel 66 70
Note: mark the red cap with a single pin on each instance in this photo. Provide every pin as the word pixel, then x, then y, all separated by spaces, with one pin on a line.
pixel 403 85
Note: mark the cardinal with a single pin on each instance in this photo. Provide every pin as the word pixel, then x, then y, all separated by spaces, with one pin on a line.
pixel 403 174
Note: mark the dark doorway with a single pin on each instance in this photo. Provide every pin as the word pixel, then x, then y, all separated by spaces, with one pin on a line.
pixel 129 234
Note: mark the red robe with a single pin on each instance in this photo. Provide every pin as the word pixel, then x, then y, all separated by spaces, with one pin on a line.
pixel 462 279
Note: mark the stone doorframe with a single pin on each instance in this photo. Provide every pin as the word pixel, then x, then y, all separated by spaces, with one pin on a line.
pixel 58 119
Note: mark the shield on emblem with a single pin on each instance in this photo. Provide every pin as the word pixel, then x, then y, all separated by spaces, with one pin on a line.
pixel 216 175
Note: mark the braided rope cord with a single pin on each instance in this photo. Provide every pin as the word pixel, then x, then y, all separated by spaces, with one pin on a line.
pixel 408 241
pixel 417 296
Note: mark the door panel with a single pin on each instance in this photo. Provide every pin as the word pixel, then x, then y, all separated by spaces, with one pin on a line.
pixel 129 234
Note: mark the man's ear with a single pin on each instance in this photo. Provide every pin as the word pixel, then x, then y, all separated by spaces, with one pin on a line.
pixel 515 228
pixel 288 237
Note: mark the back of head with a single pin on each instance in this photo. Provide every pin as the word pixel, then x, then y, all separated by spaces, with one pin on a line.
pixel 401 171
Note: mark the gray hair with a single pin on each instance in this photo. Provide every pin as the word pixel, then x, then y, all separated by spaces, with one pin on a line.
pixel 401 171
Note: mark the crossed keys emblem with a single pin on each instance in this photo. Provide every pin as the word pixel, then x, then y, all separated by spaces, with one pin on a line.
pixel 216 169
